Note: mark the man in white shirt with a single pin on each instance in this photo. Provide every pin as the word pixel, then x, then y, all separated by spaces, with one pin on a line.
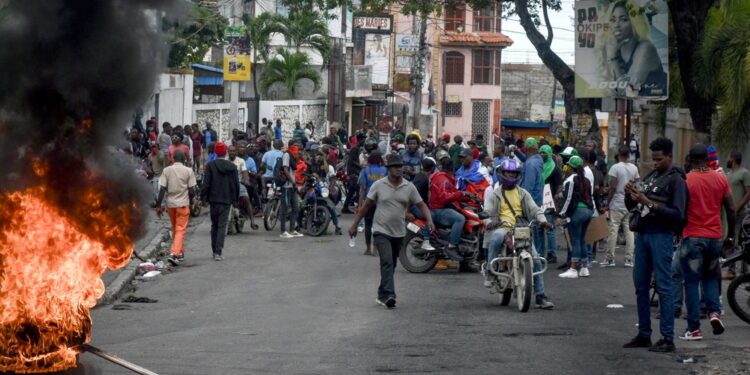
pixel 177 183
pixel 244 178
pixel 620 174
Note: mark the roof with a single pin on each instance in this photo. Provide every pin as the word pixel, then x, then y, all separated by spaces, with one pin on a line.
pixel 525 124
pixel 488 39
pixel 208 81
pixel 207 67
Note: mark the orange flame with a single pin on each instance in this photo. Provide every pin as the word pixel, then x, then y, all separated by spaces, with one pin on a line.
pixel 50 274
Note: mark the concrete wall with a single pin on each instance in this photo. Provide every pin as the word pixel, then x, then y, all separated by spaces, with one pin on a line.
pixel 218 115
pixel 175 99
pixel 290 111
pixel 526 87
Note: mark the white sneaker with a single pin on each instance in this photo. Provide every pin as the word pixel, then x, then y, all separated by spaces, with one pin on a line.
pixel 584 272
pixel 427 246
pixel 286 235
pixel 296 234
pixel 569 274
pixel 360 228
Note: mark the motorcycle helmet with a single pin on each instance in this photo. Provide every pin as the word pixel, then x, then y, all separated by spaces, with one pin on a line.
pixel 509 165
pixel 371 144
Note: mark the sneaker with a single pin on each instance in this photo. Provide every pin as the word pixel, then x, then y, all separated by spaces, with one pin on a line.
pixel 692 336
pixel 286 235
pixel 427 246
pixel 584 272
pixel 638 342
pixel 297 234
pixel 551 260
pixel 716 323
pixel 607 263
pixel 542 302
pixel 181 258
pixel 338 231
pixel 662 346
pixel 629 263
pixel 390 302
pixel 360 228
pixel 571 273
pixel 487 276
pixel 173 259
pixel 218 257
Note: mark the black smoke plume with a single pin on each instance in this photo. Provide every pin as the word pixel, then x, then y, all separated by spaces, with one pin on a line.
pixel 72 73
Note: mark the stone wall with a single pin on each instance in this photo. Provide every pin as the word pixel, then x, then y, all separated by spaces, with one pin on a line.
pixel 290 111
pixel 526 86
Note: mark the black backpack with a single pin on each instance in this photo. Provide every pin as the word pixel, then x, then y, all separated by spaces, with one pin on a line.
pixel 279 177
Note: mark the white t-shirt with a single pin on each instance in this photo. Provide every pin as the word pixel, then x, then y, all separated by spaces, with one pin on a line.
pixel 589 174
pixel 241 166
pixel 624 173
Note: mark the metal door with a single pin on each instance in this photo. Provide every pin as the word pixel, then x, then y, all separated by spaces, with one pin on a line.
pixel 480 118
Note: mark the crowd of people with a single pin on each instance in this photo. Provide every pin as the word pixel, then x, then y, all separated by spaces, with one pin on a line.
pixel 684 217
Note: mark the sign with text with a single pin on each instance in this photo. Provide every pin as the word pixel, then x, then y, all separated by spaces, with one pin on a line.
pixel 407 44
pixel 372 23
pixel 621 49
pixel 237 68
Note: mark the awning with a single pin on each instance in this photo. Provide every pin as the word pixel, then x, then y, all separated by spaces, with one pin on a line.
pixel 209 81
pixel 207 67
pixel 525 124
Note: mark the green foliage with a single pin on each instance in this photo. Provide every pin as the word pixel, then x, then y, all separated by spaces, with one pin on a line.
pixel 192 37
pixel 722 70
pixel 288 67
pixel 259 31
pixel 315 4
pixel 306 28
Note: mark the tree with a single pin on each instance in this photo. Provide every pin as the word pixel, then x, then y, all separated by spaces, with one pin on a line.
pixel 306 28
pixel 259 32
pixel 723 70
pixel 192 37
pixel 288 68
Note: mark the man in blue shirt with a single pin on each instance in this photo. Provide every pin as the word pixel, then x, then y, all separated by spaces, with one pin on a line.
pixel 412 157
pixel 277 130
pixel 269 162
pixel 531 181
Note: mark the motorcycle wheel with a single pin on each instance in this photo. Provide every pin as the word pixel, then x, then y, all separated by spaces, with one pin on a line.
pixel 231 225
pixel 271 214
pixel 411 262
pixel 523 291
pixel 317 221
pixel 505 297
pixel 738 295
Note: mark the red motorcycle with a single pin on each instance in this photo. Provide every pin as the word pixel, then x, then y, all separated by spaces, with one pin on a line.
pixel 418 260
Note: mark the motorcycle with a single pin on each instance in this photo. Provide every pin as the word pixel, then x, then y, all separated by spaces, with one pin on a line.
pixel 738 292
pixel 415 259
pixel 273 202
pixel 514 268
pixel 314 215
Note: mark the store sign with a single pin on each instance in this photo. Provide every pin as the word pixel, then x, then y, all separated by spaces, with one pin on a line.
pixel 453 99
pixel 372 23
pixel 237 68
pixel 406 44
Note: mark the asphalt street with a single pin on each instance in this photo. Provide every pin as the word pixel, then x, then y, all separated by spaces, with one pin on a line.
pixel 307 306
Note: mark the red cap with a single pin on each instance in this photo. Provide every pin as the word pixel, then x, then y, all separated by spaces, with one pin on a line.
pixel 446 136
pixel 220 149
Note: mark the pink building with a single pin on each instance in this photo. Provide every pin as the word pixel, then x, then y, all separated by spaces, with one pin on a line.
pixel 470 57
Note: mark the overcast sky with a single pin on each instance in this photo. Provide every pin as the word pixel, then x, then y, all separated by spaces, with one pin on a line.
pixel 522 51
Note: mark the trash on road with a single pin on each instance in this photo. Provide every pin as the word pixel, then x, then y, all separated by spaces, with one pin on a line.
pixel 122 307
pixel 159 265
pixel 615 306
pixel 150 275
pixel 134 299
pixel 148 266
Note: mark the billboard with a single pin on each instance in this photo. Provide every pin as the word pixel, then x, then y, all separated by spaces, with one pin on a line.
pixel 237 68
pixel 377 55
pixel 622 49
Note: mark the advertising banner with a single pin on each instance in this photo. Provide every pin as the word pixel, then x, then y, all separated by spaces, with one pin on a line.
pixel 622 49
pixel 237 68
pixel 377 55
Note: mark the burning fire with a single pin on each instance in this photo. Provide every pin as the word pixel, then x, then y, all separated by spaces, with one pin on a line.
pixel 54 247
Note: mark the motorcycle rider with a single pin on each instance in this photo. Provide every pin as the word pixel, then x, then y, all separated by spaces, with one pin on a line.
pixel 505 204
pixel 412 157
pixel 444 197
pixel 319 168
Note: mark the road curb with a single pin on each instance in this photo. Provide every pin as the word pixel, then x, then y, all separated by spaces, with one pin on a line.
pixel 115 289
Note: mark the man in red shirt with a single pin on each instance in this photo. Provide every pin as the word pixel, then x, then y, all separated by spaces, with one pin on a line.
pixel 178 145
pixel 443 196
pixel 708 192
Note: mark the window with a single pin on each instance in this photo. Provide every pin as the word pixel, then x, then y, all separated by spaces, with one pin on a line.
pixel 455 18
pixel 482 66
pixel 453 109
pixel 454 67
pixel 498 68
pixel 488 19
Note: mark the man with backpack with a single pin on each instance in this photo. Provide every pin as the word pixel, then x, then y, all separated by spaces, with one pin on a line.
pixel 283 175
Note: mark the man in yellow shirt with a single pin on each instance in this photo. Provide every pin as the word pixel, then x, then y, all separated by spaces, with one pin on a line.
pixel 508 202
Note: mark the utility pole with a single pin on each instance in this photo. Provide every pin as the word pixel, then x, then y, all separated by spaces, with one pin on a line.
pixel 417 75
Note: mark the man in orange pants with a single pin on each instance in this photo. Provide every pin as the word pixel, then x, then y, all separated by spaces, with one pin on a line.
pixel 177 183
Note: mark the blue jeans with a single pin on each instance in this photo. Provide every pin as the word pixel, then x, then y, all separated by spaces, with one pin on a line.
pixel 653 255
pixel 579 222
pixel 699 258
pixel 497 237
pixel 450 218
pixel 416 212
pixel 551 236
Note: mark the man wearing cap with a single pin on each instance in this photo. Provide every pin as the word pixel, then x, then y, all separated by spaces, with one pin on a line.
pixel 531 181
pixel 701 249
pixel 660 206
pixel 472 176
pixel 393 196
pixel 221 189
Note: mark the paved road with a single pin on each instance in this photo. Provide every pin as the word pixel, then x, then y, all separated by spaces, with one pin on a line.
pixel 307 306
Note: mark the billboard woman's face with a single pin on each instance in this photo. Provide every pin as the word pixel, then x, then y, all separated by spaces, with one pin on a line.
pixel 622 28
